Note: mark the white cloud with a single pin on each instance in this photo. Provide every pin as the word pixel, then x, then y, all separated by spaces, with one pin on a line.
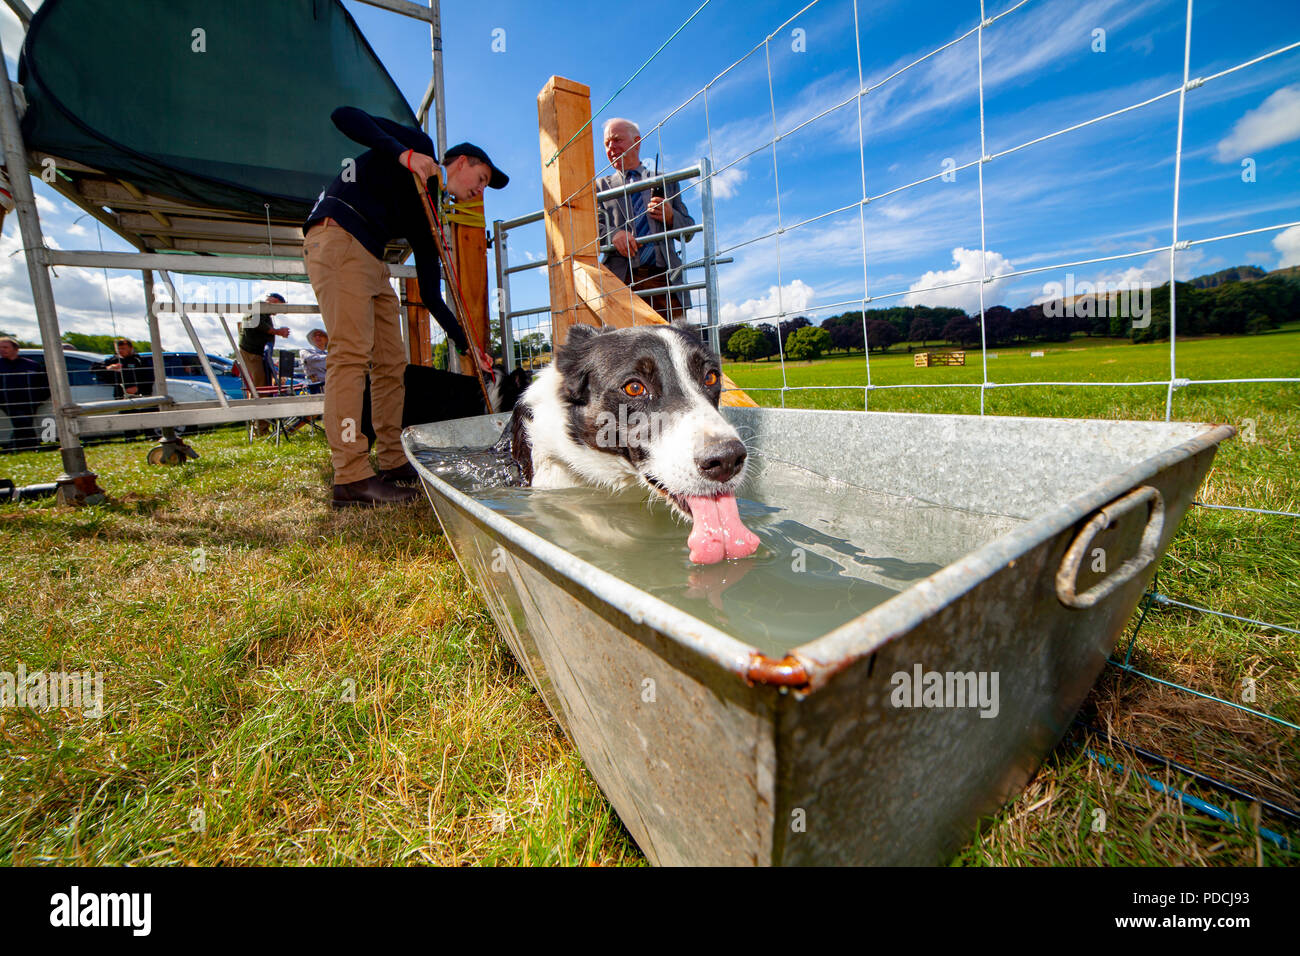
pixel 967 267
pixel 45 206
pixel 1273 122
pixel 1288 244
pixel 792 298
pixel 727 182
pixel 1155 271
pixel 12 31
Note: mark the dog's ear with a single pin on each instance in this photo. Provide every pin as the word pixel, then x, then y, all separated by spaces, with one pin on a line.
pixel 579 333
pixel 571 361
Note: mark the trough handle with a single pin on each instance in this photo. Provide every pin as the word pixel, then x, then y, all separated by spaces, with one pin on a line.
pixel 1067 575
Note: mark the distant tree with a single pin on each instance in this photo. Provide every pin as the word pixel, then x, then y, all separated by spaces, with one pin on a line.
pixel 800 322
pixel 768 331
pixel 724 336
pixel 97 343
pixel 807 343
pixel 962 330
pixel 997 325
pixel 747 344
pixel 845 331
pixel 922 330
pixel 881 334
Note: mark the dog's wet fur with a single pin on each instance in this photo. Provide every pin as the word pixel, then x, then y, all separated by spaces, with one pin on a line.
pixel 626 407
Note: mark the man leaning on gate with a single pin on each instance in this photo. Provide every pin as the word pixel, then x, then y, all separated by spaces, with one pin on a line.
pixel 629 220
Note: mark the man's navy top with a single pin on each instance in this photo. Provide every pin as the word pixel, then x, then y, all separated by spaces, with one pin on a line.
pixel 134 372
pixel 22 382
pixel 378 202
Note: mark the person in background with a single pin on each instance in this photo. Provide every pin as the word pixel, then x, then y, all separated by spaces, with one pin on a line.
pixel 133 375
pixel 626 220
pixel 23 386
pixel 254 337
pixel 313 360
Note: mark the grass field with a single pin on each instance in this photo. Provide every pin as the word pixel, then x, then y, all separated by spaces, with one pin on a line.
pixel 325 690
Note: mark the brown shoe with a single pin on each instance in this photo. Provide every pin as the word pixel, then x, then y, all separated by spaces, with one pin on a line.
pixel 403 475
pixel 372 491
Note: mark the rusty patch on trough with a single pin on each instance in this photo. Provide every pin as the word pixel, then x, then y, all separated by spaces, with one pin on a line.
pixel 787 672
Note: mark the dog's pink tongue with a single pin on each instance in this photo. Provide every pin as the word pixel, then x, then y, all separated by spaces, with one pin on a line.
pixel 718 532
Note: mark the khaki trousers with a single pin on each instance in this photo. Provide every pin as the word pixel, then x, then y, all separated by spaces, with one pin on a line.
pixel 363 319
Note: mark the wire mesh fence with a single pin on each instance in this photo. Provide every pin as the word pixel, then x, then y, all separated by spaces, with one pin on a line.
pixel 799 207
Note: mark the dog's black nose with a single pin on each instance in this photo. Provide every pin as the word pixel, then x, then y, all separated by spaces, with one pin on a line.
pixel 722 460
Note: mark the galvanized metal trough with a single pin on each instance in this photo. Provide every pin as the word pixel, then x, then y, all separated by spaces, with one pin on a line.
pixel 741 757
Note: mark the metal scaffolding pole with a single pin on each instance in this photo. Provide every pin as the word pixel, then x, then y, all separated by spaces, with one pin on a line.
pixel 439 87
pixel 194 338
pixel 171 449
pixel 710 252
pixel 503 295
pixel 77 484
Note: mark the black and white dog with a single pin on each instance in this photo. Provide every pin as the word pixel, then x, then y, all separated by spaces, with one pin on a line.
pixel 625 407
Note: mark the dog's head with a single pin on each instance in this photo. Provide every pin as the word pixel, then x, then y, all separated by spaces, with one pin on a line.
pixel 648 396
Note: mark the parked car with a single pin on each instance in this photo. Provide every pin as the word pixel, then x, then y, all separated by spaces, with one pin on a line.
pixel 185 366
pixel 86 386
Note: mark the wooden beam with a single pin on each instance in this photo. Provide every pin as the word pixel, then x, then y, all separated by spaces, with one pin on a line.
pixel 583 290
pixel 605 300
pixel 189 227
pixel 105 193
pixel 568 193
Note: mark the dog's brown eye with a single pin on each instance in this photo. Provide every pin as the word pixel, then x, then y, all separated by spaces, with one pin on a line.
pixel 635 389
pixel 710 379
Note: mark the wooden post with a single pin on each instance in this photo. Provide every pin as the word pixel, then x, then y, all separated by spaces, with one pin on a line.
pixel 419 331
pixel 583 290
pixel 469 246
pixel 563 107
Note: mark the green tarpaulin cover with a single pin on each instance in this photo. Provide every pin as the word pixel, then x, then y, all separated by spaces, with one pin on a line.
pixel 221 104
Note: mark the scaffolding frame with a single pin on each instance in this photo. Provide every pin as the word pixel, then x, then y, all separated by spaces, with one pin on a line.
pixel 169 236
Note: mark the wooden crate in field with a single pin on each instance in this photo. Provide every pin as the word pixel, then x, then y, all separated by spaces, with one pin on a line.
pixel 931 359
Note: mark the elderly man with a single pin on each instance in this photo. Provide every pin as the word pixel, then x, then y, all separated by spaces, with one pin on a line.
pixel 626 220
pixel 314 358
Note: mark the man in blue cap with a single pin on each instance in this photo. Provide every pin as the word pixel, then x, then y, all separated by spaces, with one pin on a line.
pixel 370 203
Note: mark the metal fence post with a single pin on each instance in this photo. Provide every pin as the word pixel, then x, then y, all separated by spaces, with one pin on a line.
pixel 499 234
pixel 710 250
pixel 77 484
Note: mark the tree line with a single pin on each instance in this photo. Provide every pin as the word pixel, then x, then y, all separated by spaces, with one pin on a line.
pixel 1209 305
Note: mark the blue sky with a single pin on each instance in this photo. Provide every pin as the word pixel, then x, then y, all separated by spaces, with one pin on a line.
pixel 1102 190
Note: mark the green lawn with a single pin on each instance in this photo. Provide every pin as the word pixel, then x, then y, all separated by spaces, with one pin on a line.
pixel 1276 355
pixel 325 689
